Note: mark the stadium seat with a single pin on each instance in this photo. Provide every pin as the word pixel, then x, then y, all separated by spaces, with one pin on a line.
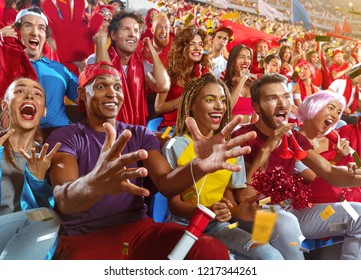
pixel 158 208
pixel 154 123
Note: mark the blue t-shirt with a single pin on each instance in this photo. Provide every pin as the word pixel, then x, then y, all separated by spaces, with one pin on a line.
pixel 80 141
pixel 57 82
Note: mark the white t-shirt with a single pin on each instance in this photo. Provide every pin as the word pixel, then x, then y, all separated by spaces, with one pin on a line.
pixel 220 64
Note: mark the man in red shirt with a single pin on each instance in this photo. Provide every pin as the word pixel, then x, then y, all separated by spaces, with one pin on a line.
pixel 339 67
pixel 125 30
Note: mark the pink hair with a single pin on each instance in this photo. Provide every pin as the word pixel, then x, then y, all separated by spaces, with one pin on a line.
pixel 316 102
pixel 302 63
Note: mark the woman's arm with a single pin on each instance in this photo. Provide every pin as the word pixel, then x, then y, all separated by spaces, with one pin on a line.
pixel 162 106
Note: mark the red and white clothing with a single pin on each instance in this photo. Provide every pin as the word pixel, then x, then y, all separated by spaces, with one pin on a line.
pixel 349 91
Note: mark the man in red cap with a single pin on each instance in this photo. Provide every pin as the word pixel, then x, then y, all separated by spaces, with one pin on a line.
pixel 220 40
pixel 339 67
pixel 98 173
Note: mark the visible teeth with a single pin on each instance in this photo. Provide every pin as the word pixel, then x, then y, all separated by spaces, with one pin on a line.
pixel 27 106
pixel 110 104
pixel 216 115
pixel 132 42
pixel 27 109
pixel 329 122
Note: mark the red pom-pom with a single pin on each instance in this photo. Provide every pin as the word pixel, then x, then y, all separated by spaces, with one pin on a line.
pixel 282 187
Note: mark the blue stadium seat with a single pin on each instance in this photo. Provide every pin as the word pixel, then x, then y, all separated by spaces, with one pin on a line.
pixel 158 208
pixel 154 123
pixel 313 244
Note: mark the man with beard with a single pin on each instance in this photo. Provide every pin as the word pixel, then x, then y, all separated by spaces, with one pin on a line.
pixel 98 180
pixel 162 38
pixel 272 102
pixel 339 67
pixel 125 30
pixel 219 41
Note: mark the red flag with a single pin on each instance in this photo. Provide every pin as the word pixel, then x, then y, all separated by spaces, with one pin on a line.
pixel 249 36
pixel 346 27
pixel 337 29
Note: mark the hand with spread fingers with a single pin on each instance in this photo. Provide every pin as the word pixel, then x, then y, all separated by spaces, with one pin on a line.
pixel 110 172
pixel 39 164
pixel 215 150
pixel 73 36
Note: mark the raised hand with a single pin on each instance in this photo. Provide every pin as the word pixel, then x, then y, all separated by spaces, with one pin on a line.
pixel 6 136
pixel 343 148
pixel 110 175
pixel 215 150
pixel 276 138
pixel 39 164
pixel 73 36
pixel 9 31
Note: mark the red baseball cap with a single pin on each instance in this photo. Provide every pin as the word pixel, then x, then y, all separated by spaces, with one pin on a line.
pixel 90 72
pixel 336 52
pixel 227 29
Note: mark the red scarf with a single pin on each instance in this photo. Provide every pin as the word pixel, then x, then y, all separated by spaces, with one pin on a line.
pixel 135 107
pixel 348 92
pixel 303 90
pixel 14 63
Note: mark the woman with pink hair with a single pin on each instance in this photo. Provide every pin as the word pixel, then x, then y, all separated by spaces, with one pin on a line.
pixel 303 86
pixel 320 114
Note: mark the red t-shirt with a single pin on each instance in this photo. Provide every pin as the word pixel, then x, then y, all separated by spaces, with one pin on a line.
pixel 170 118
pixel 274 160
pixel 337 68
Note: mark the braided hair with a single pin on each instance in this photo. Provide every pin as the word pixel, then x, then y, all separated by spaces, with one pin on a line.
pixel 188 96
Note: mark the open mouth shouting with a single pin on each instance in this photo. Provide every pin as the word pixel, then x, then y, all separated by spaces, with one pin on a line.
pixel 244 67
pixel 216 118
pixel 281 116
pixel 328 123
pixel 28 111
pixel 33 43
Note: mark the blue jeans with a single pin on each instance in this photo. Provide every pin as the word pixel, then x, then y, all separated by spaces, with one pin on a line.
pixel 25 238
pixel 286 230
pixel 237 240
pixel 313 226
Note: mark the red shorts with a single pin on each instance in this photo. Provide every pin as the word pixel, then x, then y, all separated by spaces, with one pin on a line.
pixel 146 239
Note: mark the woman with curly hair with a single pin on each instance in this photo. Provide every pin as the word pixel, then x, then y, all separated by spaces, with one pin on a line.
pixel 238 82
pixel 189 57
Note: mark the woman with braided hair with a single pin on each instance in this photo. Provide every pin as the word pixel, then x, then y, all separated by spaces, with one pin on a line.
pixel 207 100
